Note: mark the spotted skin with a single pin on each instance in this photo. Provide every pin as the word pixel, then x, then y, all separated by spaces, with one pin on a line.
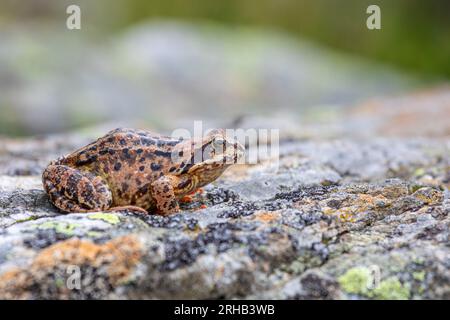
pixel 163 192
pixel 137 170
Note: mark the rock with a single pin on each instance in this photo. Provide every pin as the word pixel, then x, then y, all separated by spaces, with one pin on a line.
pixel 421 114
pixel 333 219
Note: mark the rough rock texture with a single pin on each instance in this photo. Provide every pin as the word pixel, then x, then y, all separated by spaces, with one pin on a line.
pixel 344 218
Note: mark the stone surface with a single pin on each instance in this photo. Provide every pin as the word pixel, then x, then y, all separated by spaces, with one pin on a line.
pixel 335 218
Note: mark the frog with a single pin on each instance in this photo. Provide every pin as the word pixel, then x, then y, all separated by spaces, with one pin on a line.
pixel 138 170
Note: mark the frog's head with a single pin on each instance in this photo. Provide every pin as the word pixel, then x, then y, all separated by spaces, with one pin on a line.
pixel 209 157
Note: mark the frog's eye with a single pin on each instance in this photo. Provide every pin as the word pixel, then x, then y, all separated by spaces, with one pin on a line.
pixel 218 144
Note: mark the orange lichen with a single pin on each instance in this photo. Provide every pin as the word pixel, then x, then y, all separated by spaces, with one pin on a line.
pixel 267 216
pixel 368 202
pixel 12 282
pixel 118 256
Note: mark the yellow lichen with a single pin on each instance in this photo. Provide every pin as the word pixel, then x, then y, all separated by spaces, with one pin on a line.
pixel 107 217
pixel 62 227
pixel 390 289
pixel 358 281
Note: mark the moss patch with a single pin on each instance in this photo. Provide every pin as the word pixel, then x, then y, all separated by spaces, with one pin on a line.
pixel 107 217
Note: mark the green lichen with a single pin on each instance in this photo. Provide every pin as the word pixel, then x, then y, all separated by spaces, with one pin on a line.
pixel 60 282
pixel 296 267
pixel 326 183
pixel 355 281
pixel 65 228
pixel 94 234
pixel 419 275
pixel 418 260
pixel 421 290
pixel 419 172
pixel 390 289
pixel 107 217
pixel 30 218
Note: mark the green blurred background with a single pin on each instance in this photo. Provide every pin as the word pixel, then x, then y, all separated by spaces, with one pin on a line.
pixel 415 34
pixel 165 61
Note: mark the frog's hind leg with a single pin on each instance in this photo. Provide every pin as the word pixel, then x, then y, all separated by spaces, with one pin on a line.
pixel 72 190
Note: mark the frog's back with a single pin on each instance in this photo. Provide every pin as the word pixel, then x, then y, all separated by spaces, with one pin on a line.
pixel 124 138
pixel 120 139
pixel 128 160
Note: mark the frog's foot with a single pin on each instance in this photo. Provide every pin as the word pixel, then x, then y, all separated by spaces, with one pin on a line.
pixel 163 193
pixel 132 209
pixel 72 190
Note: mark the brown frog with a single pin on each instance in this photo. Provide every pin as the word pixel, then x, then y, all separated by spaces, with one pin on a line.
pixel 137 170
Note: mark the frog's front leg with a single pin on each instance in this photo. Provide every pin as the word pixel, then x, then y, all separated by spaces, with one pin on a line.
pixel 73 190
pixel 163 193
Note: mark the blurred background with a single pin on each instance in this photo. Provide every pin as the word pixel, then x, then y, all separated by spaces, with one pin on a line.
pixel 162 64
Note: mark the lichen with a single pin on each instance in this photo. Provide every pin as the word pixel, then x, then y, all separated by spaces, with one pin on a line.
pixel 355 281
pixel 59 282
pixel 346 215
pixel 296 267
pixel 419 275
pixel 30 218
pixel 94 234
pixel 107 217
pixel 429 196
pixel 390 289
pixel 65 228
pixel 115 260
pixel 419 172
